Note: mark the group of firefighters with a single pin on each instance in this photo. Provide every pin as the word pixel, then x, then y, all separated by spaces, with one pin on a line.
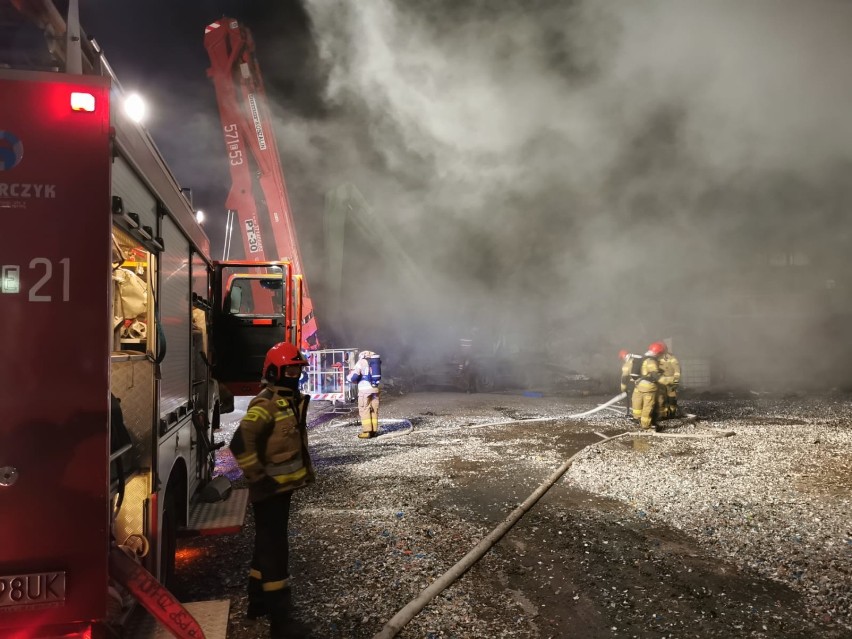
pixel 651 384
pixel 271 447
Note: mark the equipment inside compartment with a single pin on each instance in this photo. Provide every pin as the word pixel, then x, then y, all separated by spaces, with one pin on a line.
pixel 130 276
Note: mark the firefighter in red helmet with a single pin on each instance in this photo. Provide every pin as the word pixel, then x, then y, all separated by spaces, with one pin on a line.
pixel 669 381
pixel 645 392
pixel 271 447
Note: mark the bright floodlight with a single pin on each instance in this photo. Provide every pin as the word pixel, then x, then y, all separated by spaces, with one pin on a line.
pixel 199 216
pixel 135 107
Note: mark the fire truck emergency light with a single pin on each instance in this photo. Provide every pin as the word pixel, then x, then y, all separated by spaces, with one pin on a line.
pixel 82 102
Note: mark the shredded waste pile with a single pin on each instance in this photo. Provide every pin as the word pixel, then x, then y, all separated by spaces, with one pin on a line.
pixel 776 497
pixel 645 536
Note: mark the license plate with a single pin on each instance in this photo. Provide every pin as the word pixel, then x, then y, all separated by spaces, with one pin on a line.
pixel 34 589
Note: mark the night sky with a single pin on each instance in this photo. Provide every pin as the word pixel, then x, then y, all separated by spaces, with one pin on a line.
pixel 570 176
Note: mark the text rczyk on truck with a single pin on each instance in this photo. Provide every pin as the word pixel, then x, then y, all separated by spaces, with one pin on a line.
pixel 107 299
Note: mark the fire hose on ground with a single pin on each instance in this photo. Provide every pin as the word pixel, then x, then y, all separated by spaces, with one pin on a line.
pixel 608 405
pixel 413 608
pixel 614 400
pixel 407 613
pixel 410 427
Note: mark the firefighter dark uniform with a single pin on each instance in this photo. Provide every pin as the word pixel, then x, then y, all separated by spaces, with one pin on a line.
pixel 645 392
pixel 631 365
pixel 271 447
pixel 669 381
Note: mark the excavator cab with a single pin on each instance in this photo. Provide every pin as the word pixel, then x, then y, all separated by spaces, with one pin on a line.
pixel 255 294
pixel 253 311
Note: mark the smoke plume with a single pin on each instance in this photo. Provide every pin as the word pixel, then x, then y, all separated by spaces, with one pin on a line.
pixel 581 176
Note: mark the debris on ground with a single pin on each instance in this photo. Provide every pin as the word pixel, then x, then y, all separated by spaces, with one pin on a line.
pixel 744 536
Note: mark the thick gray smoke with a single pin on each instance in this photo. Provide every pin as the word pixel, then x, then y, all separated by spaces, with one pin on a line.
pixel 578 177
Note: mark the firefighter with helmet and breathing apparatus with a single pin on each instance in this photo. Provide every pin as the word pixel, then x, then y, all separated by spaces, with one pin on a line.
pixel 669 381
pixel 367 374
pixel 645 392
pixel 271 447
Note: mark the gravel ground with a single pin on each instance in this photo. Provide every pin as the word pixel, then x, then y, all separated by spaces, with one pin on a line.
pixel 645 536
pixel 774 498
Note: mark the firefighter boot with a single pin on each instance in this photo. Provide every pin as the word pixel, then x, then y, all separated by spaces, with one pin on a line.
pixel 282 622
pixel 673 411
pixel 364 434
pixel 256 603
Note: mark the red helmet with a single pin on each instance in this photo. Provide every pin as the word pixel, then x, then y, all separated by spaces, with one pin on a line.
pixel 622 354
pixel 281 355
pixel 657 348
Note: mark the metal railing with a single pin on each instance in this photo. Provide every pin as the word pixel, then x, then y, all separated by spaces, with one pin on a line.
pixel 327 373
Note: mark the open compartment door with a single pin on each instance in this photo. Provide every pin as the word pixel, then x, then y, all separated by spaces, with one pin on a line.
pixel 251 313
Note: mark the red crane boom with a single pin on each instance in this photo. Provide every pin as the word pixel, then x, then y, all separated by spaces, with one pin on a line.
pixel 266 220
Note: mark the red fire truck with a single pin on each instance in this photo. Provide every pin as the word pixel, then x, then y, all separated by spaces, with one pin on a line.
pixel 107 298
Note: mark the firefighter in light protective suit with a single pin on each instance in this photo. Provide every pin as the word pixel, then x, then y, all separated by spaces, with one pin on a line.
pixel 645 392
pixel 630 371
pixel 367 373
pixel 669 380
pixel 271 447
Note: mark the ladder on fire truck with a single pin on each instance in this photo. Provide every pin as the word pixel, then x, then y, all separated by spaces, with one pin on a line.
pixel 258 192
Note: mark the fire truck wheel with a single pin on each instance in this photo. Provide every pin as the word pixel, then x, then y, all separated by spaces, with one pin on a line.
pixel 169 539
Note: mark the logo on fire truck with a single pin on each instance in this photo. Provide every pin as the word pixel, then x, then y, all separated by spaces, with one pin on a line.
pixel 11 151
pixel 26 191
pixel 253 235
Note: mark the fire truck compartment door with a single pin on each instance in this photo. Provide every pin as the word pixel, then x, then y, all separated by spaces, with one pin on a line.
pixel 250 317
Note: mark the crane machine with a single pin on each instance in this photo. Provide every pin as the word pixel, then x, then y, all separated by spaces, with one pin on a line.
pixel 258 194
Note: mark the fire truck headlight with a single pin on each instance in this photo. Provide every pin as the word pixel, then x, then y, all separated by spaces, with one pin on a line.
pixel 135 107
pixel 199 216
